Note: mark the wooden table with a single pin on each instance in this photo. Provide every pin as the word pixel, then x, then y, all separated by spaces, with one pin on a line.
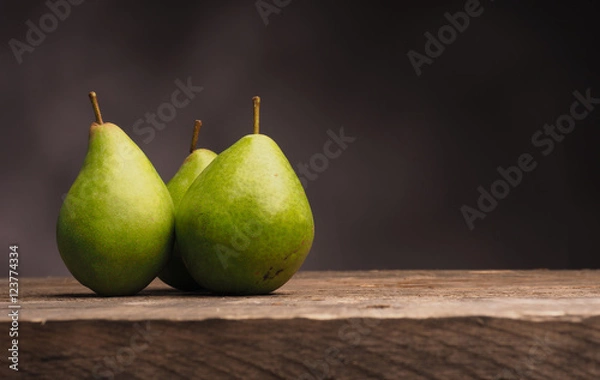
pixel 537 324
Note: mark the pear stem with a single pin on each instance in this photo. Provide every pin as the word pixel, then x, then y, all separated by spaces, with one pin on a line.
pixel 96 107
pixel 197 125
pixel 256 102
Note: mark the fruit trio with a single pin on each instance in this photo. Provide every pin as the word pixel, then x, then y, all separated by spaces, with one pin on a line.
pixel 234 223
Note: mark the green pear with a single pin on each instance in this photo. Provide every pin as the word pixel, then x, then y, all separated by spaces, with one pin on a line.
pixel 115 228
pixel 245 225
pixel 175 272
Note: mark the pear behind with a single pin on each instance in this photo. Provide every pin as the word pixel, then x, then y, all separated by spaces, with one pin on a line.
pixel 175 273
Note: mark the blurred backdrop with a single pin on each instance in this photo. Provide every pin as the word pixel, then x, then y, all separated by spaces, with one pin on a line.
pixel 430 102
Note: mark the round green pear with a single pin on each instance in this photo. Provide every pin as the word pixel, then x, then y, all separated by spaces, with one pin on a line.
pixel 175 273
pixel 245 225
pixel 115 228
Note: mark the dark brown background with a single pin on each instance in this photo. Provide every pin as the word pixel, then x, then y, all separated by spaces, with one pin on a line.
pixel 423 144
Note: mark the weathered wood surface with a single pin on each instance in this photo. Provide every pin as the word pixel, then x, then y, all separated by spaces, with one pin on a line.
pixel 321 325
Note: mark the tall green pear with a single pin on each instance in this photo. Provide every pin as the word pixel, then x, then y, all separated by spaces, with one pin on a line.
pixel 115 228
pixel 245 225
pixel 175 272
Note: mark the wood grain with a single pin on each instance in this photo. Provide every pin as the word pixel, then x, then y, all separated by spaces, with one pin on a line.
pixel 321 325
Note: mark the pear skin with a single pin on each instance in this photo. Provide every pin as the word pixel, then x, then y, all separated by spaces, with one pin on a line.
pixel 175 273
pixel 115 229
pixel 245 225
